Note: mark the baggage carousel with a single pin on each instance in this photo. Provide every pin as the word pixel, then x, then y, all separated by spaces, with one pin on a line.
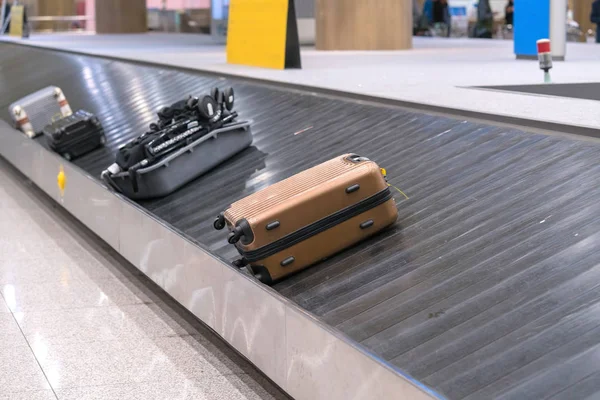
pixel 487 286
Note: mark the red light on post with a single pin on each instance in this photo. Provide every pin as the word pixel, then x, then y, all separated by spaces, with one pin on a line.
pixel 545 57
pixel 543 46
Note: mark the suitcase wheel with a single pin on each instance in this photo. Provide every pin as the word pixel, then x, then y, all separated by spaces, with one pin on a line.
pixel 242 231
pixel 261 273
pixel 228 98
pixel 67 156
pixel 192 102
pixel 207 108
pixel 219 222
pixel 234 236
pixel 214 93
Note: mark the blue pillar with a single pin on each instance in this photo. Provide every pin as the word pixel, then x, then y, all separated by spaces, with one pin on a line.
pixel 531 23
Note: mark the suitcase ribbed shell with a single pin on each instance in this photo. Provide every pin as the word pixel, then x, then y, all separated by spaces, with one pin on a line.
pixel 284 190
pixel 41 107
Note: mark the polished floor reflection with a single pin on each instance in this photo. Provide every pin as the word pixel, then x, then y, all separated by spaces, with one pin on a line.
pixel 77 322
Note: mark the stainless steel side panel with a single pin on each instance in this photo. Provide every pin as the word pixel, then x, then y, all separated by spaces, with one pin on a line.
pixel 299 353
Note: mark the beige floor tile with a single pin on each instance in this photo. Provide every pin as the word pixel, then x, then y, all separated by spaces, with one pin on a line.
pixel 19 371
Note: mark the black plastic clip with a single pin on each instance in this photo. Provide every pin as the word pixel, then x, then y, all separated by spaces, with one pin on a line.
pixel 240 263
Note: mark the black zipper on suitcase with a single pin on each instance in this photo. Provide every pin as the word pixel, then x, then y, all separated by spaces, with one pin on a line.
pixel 317 227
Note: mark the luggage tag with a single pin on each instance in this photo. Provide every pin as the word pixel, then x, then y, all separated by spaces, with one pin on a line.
pixel 384 173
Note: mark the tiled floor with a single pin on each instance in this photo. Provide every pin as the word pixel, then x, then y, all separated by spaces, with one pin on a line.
pixel 77 322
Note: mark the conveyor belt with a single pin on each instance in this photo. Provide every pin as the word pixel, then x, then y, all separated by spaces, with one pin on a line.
pixel 489 284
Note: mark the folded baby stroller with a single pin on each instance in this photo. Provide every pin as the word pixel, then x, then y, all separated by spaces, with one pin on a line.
pixel 190 138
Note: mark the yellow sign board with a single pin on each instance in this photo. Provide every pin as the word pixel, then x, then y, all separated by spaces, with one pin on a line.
pixel 16 20
pixel 258 33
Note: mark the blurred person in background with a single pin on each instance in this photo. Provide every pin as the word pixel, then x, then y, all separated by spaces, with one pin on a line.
pixel 416 17
pixel 420 24
pixel 485 20
pixel 441 14
pixel 422 18
pixel 439 11
pixel 509 11
pixel 595 18
pixel 427 14
pixel 6 14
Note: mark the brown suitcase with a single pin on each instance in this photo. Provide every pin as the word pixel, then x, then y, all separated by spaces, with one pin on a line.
pixel 301 220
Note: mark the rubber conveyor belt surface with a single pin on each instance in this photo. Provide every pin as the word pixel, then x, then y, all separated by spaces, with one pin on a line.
pixel 489 284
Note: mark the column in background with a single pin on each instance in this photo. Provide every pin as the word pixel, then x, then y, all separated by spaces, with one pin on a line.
pixel 121 16
pixel 540 19
pixel 558 28
pixel 364 24
pixel 581 13
pixel 54 8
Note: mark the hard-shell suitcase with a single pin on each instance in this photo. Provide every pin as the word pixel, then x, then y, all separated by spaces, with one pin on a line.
pixel 75 135
pixel 184 165
pixel 294 223
pixel 33 112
